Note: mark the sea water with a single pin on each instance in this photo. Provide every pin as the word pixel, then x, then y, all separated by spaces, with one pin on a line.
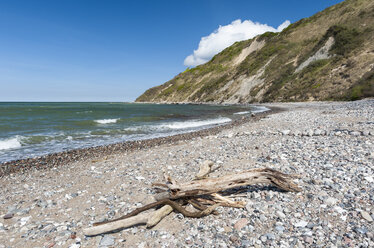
pixel 31 129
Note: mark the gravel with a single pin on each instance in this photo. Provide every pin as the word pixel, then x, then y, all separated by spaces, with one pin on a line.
pixel 329 144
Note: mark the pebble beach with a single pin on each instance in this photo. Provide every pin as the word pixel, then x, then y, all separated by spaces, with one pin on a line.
pixel 47 202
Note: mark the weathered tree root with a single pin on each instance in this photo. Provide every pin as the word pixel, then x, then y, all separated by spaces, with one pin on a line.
pixel 150 219
pixel 177 207
pixel 202 194
pixel 215 185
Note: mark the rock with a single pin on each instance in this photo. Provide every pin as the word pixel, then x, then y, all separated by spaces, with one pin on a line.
pixel 331 201
pixel 240 224
pixel 370 179
pixel 286 132
pixel 360 230
pixel 8 216
pixel 296 133
pixel 366 216
pixel 355 133
pixel 263 218
pixel 310 133
pixel 107 240
pixel 279 228
pixel 263 238
pixel 234 238
pixel 365 133
pixel 301 224
pixel 229 135
pixel 74 195
pixel 75 246
pixel 270 236
pixel 50 245
pixel 280 214
pixel 24 220
pixel 12 209
pixel 317 132
pixel 245 243
pixel 308 240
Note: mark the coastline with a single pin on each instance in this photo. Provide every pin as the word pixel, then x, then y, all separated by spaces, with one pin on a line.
pixel 74 155
pixel 329 144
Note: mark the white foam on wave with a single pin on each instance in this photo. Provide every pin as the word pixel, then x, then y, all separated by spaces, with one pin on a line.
pixel 10 143
pixel 260 109
pixel 107 121
pixel 195 123
pixel 242 113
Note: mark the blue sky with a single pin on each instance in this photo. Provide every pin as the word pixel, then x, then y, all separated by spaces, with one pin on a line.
pixel 115 50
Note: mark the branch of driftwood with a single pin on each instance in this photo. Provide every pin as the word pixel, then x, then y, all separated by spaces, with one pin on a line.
pixel 203 194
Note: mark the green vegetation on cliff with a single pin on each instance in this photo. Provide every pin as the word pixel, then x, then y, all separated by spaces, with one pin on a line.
pixel 328 56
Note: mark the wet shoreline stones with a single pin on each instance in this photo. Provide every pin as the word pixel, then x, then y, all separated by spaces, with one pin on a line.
pixel 61 158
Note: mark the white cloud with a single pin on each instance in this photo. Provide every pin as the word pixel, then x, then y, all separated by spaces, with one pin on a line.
pixel 227 35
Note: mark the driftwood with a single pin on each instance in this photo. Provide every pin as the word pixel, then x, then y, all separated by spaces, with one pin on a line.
pixel 150 219
pixel 204 194
pixel 214 185
pixel 205 169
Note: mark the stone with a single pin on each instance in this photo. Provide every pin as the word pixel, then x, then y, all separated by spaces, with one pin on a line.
pixel 370 179
pixel 366 216
pixel 280 214
pixel 12 209
pixel 355 133
pixel 245 243
pixel 263 238
pixel 240 224
pixel 75 246
pixel 286 132
pixel 296 133
pixel 24 220
pixel 360 230
pixel 107 240
pixel 317 132
pixel 234 238
pixel 308 240
pixel 270 236
pixel 279 228
pixel 331 201
pixel 301 224
pixel 365 133
pixel 263 218
pixel 8 216
pixel 310 133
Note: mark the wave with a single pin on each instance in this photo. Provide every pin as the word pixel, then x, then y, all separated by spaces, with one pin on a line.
pixel 259 109
pixel 84 112
pixel 106 121
pixel 195 123
pixel 10 143
pixel 242 113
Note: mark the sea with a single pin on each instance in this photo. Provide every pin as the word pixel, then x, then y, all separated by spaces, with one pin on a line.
pixel 33 129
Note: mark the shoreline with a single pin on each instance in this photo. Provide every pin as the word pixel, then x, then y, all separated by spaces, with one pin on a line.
pixel 329 144
pixel 57 159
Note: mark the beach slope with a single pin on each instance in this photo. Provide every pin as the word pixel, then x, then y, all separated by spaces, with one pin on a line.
pixel 330 144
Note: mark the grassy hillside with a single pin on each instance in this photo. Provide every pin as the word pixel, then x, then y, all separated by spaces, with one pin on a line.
pixel 328 56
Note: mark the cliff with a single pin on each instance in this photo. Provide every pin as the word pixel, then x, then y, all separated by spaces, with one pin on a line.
pixel 328 56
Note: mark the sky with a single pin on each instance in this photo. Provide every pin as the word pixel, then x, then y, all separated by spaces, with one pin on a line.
pixel 88 50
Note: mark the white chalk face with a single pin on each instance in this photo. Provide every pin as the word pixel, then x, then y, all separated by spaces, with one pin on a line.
pixel 227 35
